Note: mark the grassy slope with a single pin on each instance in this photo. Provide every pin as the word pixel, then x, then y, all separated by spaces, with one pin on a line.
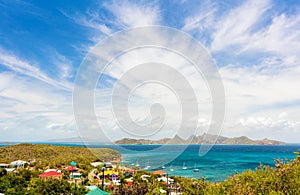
pixel 45 154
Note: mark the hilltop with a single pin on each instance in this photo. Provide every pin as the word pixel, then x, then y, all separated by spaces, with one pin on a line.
pixel 55 156
pixel 202 139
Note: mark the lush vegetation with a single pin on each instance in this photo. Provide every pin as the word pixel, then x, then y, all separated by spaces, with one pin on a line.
pixel 55 156
pixel 43 156
pixel 281 179
pixel 26 182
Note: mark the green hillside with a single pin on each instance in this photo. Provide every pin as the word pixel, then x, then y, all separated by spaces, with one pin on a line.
pixel 55 156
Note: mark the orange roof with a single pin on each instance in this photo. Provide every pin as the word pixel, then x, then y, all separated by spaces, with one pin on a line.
pixel 50 174
pixel 129 170
pixel 70 168
pixel 159 172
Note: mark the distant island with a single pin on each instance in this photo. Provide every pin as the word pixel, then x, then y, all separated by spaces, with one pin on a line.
pixel 202 139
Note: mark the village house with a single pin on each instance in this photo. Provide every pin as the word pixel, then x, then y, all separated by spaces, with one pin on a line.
pixel 51 175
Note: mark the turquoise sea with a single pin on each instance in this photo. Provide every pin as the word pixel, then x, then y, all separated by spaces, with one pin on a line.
pixel 219 163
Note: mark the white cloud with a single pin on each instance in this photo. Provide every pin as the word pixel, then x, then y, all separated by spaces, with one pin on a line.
pixel 148 93
pixel 133 14
pixel 203 20
pixel 91 19
pixel 236 27
pixel 23 67
pixel 261 77
pixel 252 27
pixel 63 64
pixel 30 106
pixel 282 36
pixel 262 102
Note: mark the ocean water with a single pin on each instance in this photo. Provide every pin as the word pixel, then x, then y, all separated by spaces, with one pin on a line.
pixel 219 163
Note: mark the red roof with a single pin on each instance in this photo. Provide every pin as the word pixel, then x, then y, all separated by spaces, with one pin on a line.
pixel 70 168
pixel 50 174
pixel 129 183
pixel 129 170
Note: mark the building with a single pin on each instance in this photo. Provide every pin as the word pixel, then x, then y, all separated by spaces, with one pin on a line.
pixel 50 175
pixel 96 164
pixel 10 170
pixel 48 170
pixel 159 172
pixel 97 191
pixel 18 163
pixel 71 168
pixel 75 175
pixel 3 165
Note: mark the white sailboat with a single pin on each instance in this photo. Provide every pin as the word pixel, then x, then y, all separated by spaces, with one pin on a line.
pixel 137 164
pixel 195 168
pixel 171 169
pixel 148 166
pixel 184 167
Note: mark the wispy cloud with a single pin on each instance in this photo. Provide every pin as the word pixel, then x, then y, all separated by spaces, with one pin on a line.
pixel 31 107
pixel 91 19
pixel 130 14
pixel 236 27
pixel 203 20
pixel 282 36
pixel 125 14
pixel 23 67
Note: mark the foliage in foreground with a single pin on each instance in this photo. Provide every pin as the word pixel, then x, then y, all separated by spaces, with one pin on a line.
pixel 26 182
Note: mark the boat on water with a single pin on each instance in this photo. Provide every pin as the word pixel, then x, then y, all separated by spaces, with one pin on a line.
pixel 147 166
pixel 171 169
pixel 184 167
pixel 195 168
pixel 137 164
pixel 163 167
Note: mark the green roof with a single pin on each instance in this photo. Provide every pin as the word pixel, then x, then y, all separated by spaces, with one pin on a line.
pixel 91 187
pixel 97 192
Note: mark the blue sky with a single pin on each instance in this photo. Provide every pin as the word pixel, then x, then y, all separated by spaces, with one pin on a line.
pixel 255 44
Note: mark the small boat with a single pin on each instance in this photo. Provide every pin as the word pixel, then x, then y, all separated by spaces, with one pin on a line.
pixel 132 164
pixel 195 168
pixel 163 167
pixel 171 169
pixel 137 164
pixel 184 167
pixel 148 166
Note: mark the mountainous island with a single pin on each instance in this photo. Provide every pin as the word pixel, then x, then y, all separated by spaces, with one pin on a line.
pixel 202 139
